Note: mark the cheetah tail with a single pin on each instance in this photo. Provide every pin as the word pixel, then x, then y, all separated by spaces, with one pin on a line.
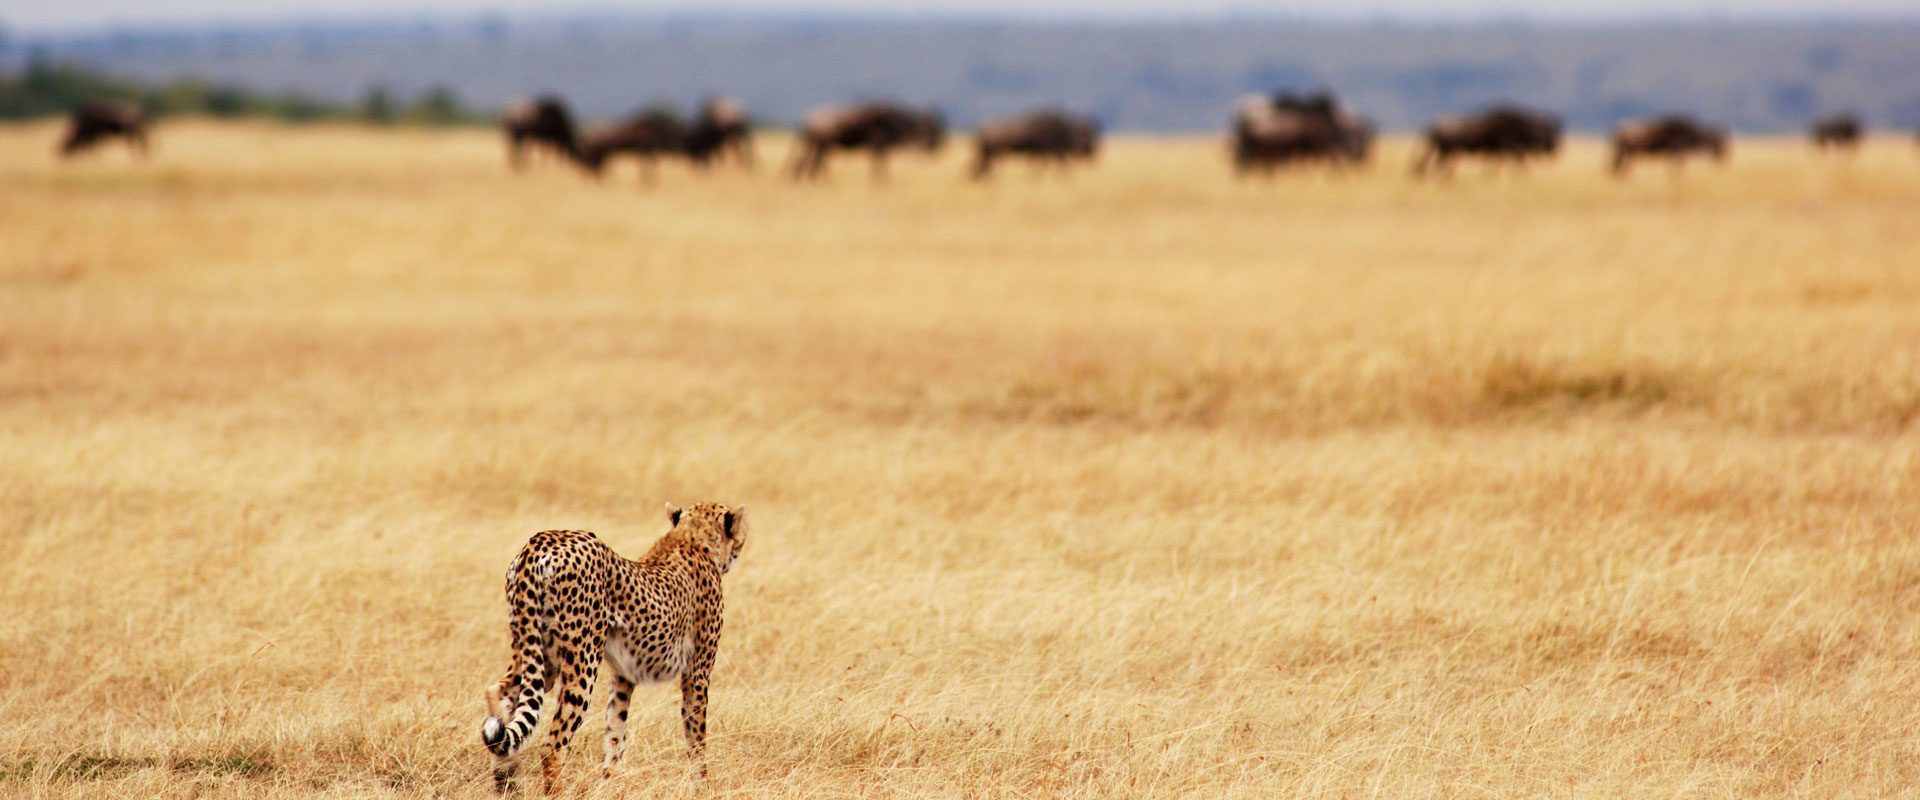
pixel 504 738
pixel 509 725
pixel 492 729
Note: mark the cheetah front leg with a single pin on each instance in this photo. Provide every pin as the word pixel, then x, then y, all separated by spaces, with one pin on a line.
pixel 617 722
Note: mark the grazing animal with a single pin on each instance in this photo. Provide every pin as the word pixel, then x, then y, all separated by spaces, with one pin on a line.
pixel 92 123
pixel 1048 135
pixel 1501 133
pixel 876 127
pixel 1357 134
pixel 649 135
pixel 542 122
pixel 572 599
pixel 1269 131
pixel 720 131
pixel 1837 131
pixel 1674 137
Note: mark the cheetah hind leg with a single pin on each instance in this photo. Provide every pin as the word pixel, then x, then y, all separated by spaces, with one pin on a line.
pixel 617 705
pixel 579 665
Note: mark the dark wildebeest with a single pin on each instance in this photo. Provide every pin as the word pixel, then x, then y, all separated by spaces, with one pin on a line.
pixel 1356 140
pixel 1674 137
pixel 721 130
pixel 1501 132
pixel 649 134
pixel 879 127
pixel 94 122
pixel 1272 130
pixel 1048 135
pixel 542 121
pixel 1840 131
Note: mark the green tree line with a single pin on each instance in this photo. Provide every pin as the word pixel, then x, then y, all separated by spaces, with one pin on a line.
pixel 47 88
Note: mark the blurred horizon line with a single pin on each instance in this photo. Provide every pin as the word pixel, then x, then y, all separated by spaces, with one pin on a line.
pixel 564 18
pixel 1157 74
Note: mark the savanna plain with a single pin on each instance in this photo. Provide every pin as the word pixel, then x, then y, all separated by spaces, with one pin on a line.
pixel 1139 482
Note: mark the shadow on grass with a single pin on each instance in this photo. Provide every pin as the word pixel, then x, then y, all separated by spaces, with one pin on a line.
pixel 1502 387
pixel 79 767
pixel 1514 382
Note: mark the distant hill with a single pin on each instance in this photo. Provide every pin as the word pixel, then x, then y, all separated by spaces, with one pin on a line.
pixel 45 87
pixel 1140 77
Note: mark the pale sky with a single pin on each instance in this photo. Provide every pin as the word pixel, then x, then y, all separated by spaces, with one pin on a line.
pixel 80 16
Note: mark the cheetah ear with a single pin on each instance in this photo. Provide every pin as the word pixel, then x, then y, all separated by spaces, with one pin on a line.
pixel 673 514
pixel 735 522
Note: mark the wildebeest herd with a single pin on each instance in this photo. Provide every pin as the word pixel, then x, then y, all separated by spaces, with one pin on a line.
pixel 1266 133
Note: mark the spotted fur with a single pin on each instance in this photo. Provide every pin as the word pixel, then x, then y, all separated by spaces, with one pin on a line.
pixel 571 600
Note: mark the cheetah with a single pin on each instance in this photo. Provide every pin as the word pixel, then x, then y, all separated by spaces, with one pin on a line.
pixel 572 599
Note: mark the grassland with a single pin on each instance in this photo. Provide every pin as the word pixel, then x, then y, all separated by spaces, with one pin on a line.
pixel 1141 483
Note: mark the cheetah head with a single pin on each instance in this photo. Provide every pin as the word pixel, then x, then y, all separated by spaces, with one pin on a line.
pixel 719 530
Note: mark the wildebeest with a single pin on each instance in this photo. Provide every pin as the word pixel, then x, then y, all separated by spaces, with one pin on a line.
pixel 649 134
pixel 878 127
pixel 721 130
pixel 1840 131
pixel 1674 137
pixel 1356 137
pixel 1272 130
pixel 1501 132
pixel 539 121
pixel 94 122
pixel 1048 135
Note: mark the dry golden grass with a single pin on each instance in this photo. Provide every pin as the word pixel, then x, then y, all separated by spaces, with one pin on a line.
pixel 1142 483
